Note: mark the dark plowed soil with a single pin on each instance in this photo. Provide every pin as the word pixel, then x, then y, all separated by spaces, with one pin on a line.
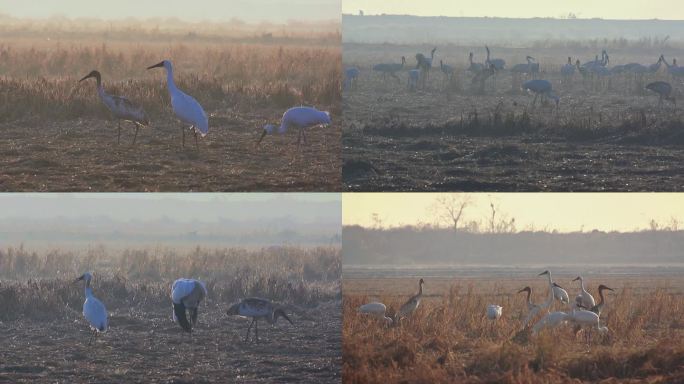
pixel 149 348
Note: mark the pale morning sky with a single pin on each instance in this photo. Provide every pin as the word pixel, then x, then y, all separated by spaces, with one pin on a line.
pixel 607 9
pixel 565 212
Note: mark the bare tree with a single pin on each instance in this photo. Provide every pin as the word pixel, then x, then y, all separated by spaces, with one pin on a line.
pixel 449 208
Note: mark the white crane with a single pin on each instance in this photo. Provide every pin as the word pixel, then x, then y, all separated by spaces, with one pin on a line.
pixel 552 319
pixel 474 67
pixel 351 75
pixel 93 309
pixel 377 310
pixel 390 68
pixel 257 308
pixel 413 79
pixel 186 295
pixel 120 107
pixel 412 304
pixel 587 319
pixel 300 118
pixel 447 70
pixel 541 88
pixel 599 307
pixel 185 107
pixel 494 311
pixel 500 64
pixel 664 91
pixel 583 299
pixel 560 294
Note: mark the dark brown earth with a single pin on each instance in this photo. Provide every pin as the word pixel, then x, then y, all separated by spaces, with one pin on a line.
pixel 147 347
pixel 83 155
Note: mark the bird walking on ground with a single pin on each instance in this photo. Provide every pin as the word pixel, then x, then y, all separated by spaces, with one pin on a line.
pixel 186 295
pixel 257 308
pixel 185 107
pixel 664 91
pixel 93 309
pixel 412 304
pixel 300 118
pixel 120 107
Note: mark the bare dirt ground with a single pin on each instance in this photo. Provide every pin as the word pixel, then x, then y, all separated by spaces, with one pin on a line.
pixel 450 135
pixel 83 155
pixel 448 338
pixel 147 347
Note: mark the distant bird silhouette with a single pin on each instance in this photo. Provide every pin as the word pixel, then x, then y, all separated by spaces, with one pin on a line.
pixel 257 308
pixel 664 91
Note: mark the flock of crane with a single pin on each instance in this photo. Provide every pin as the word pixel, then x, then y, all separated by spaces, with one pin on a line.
pixel 583 312
pixel 190 112
pixel 186 296
pixel 596 69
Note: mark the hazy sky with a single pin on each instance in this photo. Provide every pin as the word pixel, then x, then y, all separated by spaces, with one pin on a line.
pixel 607 9
pixel 562 211
pixel 178 206
pixel 216 10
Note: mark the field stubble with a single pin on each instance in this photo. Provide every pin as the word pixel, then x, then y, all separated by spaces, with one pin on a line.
pixel 449 339
pixel 59 136
pixel 45 336
pixel 453 136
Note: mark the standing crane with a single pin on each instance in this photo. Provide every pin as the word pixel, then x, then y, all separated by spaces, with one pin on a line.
pixel 93 309
pixel 532 309
pixel 378 310
pixel 500 64
pixel 120 107
pixel 599 307
pixel 664 91
pixel 390 68
pixel 185 107
pixel 474 67
pixel 447 70
pixel 257 308
pixel 673 69
pixel 412 304
pixel 529 68
pixel 300 118
pixel 583 299
pixel 186 295
pixel 541 88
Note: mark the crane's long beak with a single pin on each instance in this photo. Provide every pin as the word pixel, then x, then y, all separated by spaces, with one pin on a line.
pixel 86 77
pixel 264 133
pixel 522 290
pixel 160 64
pixel 576 278
pixel 78 279
pixel 543 273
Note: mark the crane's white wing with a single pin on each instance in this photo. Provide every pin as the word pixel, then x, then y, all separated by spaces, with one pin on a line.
pixel 96 313
pixel 190 111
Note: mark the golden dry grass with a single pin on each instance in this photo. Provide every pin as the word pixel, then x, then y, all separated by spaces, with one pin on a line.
pixel 448 339
pixel 37 284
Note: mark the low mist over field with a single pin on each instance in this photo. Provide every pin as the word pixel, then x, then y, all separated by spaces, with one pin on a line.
pixel 247 219
pixel 406 29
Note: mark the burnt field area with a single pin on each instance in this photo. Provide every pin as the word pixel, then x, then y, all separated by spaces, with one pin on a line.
pixel 46 338
pixel 607 134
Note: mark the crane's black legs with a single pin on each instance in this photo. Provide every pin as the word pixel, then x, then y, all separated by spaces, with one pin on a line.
pixel 196 144
pixel 137 126
pixel 183 133
pixel 92 336
pixel 256 330
pixel 118 137
pixel 248 329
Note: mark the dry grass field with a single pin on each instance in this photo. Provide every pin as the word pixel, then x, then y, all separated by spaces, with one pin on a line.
pixel 45 338
pixel 608 134
pixel 59 137
pixel 448 339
